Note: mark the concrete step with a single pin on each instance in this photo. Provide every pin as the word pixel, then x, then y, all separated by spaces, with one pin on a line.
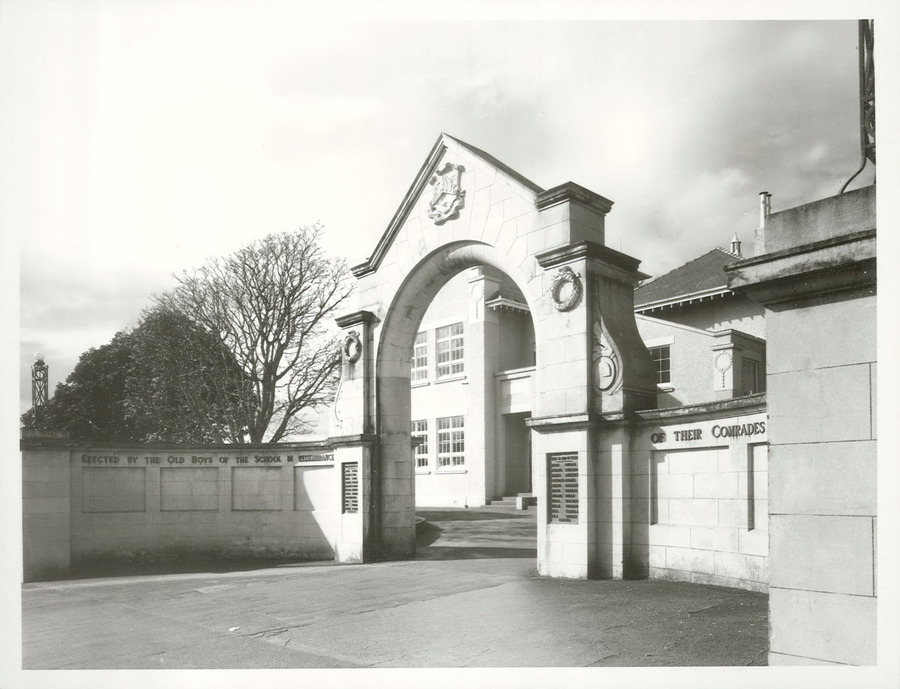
pixel 520 502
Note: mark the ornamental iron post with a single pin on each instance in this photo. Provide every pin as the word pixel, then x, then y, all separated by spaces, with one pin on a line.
pixel 39 378
pixel 867 87
pixel 866 95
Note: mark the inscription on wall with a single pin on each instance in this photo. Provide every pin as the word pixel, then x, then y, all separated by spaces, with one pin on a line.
pixel 199 460
pixel 315 458
pixel 712 433
pixel 563 488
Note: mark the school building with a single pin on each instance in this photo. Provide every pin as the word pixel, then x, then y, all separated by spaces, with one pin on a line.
pixel 475 349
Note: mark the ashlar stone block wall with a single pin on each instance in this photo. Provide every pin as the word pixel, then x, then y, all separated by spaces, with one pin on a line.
pixel 818 283
pixel 823 506
pixel 700 499
pixel 46 512
pixel 132 503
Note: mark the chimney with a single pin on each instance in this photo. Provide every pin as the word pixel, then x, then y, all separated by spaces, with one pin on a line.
pixel 765 207
pixel 736 246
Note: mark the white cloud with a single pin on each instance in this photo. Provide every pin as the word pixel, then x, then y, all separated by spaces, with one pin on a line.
pixel 150 136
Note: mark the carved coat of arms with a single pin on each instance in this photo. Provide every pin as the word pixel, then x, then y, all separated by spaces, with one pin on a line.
pixel 447 196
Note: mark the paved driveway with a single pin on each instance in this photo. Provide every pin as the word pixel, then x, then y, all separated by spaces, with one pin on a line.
pixel 470 599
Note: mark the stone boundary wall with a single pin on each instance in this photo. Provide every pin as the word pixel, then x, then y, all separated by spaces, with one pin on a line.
pixel 103 502
pixel 679 494
pixel 699 495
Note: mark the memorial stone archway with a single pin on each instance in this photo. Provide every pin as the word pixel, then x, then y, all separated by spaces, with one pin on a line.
pixel 465 209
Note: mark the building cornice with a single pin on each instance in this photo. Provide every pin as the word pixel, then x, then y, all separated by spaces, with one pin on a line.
pixel 852 238
pixel 683 299
pixel 504 303
pixel 561 255
pixel 569 191
pixel 356 318
pixel 750 404
pixel 352 440
pixel 77 444
pixel 836 264
pixel 561 422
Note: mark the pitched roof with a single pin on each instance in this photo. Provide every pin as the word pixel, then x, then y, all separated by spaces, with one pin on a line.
pixel 702 277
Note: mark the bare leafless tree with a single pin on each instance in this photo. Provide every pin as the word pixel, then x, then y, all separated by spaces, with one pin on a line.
pixel 271 303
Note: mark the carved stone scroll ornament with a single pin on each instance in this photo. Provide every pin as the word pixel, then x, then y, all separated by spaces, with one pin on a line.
pixel 352 347
pixel 607 366
pixel 566 289
pixel 447 196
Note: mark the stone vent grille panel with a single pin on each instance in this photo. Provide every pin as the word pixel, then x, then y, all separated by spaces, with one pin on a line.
pixel 350 488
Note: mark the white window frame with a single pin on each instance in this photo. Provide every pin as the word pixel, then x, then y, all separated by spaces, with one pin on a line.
pixel 419 369
pixel 668 357
pixel 421 453
pixel 452 339
pixel 745 361
pixel 451 443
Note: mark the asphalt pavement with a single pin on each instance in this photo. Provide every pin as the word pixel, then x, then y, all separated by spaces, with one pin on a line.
pixel 471 598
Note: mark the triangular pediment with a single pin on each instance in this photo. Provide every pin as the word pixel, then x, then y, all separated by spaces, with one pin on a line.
pixel 437 164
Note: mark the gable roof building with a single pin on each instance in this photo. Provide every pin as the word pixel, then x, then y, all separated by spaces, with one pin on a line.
pixel 697 294
pixel 707 341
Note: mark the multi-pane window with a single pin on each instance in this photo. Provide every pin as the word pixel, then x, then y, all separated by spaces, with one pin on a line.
pixel 420 358
pixel 449 344
pixel 420 432
pixel 451 441
pixel 749 376
pixel 662 360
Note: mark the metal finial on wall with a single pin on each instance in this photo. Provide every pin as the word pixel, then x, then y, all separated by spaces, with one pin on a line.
pixel 866 95
pixel 39 378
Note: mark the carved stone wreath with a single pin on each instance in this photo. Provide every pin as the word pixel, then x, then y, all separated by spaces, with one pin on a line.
pixel 352 347
pixel 566 289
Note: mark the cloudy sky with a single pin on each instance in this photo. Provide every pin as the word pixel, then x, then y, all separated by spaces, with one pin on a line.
pixel 141 138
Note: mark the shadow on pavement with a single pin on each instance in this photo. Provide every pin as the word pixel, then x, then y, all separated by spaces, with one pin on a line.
pixel 473 553
pixel 100 569
pixel 475 534
pixel 444 534
pixel 426 534
pixel 469 515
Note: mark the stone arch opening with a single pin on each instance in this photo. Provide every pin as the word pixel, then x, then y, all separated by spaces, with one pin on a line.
pixel 394 474
pixel 467 210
